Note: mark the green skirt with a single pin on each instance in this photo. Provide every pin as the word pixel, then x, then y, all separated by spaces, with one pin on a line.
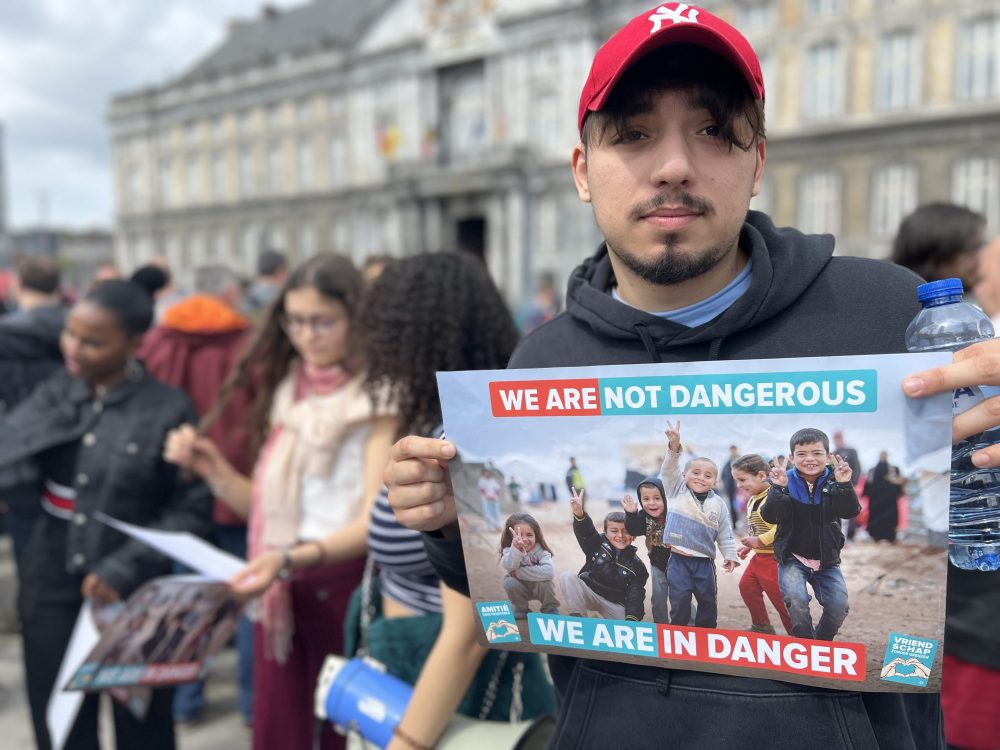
pixel 402 644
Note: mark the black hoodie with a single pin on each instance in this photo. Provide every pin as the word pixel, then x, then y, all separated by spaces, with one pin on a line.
pixel 802 302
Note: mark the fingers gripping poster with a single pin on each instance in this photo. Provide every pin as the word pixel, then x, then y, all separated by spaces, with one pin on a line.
pixel 783 519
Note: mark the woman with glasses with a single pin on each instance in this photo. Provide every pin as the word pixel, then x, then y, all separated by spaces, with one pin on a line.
pixel 322 448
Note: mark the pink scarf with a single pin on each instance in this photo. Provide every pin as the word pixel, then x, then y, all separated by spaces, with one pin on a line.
pixel 304 440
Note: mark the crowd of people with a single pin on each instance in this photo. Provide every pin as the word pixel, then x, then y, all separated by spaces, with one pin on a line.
pixel 267 417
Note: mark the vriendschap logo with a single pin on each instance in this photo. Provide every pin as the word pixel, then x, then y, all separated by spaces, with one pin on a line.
pixel 498 622
pixel 908 660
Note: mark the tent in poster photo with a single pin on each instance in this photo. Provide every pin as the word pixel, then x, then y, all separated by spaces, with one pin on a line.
pixel 773 518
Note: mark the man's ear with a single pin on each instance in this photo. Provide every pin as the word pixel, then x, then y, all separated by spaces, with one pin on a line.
pixel 758 173
pixel 580 176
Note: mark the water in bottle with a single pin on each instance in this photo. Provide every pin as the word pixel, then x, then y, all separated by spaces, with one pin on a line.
pixel 947 323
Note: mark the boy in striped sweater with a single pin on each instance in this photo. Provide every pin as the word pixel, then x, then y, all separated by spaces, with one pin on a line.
pixel 698 520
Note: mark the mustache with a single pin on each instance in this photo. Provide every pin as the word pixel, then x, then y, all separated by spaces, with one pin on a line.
pixel 683 198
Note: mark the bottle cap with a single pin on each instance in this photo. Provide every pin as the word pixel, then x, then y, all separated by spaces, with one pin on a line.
pixel 938 289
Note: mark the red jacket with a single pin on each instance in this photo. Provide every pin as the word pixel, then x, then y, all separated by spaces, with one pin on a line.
pixel 194 349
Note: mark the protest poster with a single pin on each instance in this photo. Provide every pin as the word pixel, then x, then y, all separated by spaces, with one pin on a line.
pixel 163 635
pixel 535 441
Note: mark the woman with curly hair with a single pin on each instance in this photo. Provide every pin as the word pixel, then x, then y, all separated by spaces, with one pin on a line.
pixel 426 314
pixel 323 444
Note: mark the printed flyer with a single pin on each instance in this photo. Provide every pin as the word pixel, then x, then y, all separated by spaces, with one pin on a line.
pixel 163 635
pixel 775 518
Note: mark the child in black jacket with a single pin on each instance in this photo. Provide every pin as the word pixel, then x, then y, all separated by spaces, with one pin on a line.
pixel 613 580
pixel 648 521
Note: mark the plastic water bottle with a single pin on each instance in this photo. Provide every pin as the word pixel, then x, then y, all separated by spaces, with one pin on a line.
pixel 947 323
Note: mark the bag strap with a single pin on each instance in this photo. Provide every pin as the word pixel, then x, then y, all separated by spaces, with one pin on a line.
pixel 490 697
pixel 367 613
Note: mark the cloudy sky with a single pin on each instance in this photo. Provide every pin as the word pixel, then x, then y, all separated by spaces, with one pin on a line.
pixel 60 62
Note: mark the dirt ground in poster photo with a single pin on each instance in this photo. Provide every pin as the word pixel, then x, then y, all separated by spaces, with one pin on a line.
pixel 891 587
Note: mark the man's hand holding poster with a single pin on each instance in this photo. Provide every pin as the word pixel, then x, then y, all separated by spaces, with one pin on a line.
pixel 644 556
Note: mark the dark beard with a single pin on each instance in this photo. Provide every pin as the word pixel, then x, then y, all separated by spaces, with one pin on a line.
pixel 671 267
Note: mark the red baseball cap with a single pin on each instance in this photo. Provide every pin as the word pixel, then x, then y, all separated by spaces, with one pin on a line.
pixel 666 24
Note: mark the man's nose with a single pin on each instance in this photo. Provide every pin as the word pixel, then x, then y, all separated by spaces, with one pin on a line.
pixel 672 161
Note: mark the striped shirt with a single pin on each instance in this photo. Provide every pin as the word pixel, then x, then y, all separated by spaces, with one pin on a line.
pixel 405 574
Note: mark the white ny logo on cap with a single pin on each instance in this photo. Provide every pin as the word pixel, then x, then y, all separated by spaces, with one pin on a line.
pixel 663 13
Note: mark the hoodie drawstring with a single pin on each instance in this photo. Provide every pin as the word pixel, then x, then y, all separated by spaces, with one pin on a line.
pixel 713 348
pixel 647 341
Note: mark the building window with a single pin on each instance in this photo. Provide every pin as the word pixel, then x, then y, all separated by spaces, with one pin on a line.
pixel 769 72
pixel 340 233
pixel 759 15
pixel 547 118
pixel 274 117
pixel 463 110
pixel 247 181
pixel 193 181
pixel 275 169
pixel 979 59
pixel 899 71
pixel 818 8
pixel 307 240
pixel 338 158
pixel 196 249
pixel 820 202
pixel 166 182
pixel 304 111
pixel 246 122
pixel 823 94
pixel 388 127
pixel 894 195
pixel 337 107
pixel 306 164
pixel 219 176
pixel 976 184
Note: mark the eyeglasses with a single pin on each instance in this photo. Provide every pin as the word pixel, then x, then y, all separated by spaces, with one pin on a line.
pixel 321 325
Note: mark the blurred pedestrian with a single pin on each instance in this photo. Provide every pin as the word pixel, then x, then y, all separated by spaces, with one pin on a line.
pixel 272 272
pixel 92 437
pixel 323 446
pixel 373 267
pixel 29 353
pixel 884 487
pixel 940 241
pixel 195 348
pixel 543 307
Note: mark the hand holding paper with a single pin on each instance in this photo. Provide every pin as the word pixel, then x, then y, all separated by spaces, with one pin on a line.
pixel 419 483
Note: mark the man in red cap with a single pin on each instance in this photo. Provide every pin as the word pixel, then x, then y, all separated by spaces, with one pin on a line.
pixel 671 151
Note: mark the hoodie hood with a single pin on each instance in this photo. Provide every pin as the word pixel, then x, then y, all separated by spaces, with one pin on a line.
pixel 655 482
pixel 202 313
pixel 785 263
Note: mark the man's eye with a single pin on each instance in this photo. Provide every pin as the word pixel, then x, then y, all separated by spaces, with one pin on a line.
pixel 713 131
pixel 629 136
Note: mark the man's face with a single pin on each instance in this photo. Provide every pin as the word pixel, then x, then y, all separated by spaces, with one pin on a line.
pixel 616 534
pixel 987 290
pixel 810 459
pixel 670 194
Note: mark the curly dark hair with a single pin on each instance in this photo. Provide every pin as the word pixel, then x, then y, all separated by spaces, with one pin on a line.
pixel 428 313
pixel 268 357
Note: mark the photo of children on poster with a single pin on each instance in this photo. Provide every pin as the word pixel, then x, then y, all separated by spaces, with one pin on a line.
pixel 163 635
pixel 775 518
